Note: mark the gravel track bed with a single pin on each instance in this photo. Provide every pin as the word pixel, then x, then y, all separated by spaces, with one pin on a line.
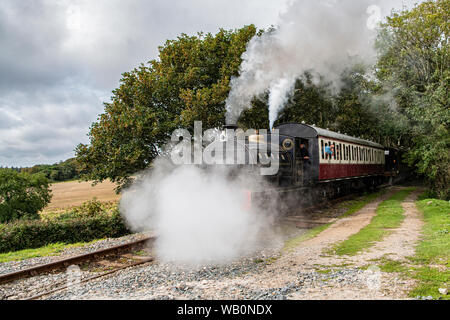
pixel 12 266
pixel 165 281
pixel 155 280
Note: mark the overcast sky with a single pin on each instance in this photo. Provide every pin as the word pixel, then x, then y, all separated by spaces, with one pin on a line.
pixel 60 60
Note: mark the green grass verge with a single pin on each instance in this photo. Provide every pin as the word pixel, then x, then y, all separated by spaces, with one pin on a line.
pixel 49 250
pixel 389 215
pixel 294 242
pixel 352 206
pixel 433 252
pixel 431 262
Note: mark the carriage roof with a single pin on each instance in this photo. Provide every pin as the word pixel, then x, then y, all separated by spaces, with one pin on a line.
pixel 307 131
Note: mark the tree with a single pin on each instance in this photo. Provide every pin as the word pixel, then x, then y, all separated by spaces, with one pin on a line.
pixel 189 81
pixel 310 103
pixel 22 195
pixel 414 65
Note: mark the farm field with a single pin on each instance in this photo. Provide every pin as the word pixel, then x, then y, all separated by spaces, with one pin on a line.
pixel 74 193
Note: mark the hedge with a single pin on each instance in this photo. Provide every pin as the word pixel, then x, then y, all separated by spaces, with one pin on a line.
pixel 37 233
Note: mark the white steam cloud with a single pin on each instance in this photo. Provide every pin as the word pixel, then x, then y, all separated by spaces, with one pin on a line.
pixel 319 36
pixel 199 217
pixel 278 97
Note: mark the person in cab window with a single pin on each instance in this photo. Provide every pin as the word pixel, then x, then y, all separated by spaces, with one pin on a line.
pixel 333 152
pixel 304 154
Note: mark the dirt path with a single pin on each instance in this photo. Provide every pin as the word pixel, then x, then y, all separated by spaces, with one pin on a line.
pixel 401 242
pixel 298 272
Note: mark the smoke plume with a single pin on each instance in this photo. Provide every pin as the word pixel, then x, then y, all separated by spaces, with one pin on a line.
pixel 318 36
pixel 198 216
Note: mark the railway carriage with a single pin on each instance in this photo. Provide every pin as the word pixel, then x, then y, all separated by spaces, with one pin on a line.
pixel 355 165
pixel 353 158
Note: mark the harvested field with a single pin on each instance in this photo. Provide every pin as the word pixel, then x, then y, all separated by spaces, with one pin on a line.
pixel 74 193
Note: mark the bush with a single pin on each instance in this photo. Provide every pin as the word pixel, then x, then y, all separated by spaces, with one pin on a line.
pixel 22 195
pixel 90 208
pixel 34 233
pixel 87 209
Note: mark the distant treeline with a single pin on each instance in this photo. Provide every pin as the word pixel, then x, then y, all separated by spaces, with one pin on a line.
pixel 62 171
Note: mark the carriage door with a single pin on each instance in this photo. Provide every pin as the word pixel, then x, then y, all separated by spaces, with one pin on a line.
pixel 299 163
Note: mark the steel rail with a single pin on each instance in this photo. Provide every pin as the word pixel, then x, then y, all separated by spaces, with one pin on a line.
pixel 8 277
pixel 89 279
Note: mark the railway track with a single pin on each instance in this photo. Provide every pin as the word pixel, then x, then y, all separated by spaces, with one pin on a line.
pixel 103 262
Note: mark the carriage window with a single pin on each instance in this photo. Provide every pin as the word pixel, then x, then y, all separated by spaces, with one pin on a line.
pixel 329 156
pixel 335 151
pixel 323 153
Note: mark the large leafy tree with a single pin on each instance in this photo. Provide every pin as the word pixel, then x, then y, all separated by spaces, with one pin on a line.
pixel 310 102
pixel 22 195
pixel 188 82
pixel 414 66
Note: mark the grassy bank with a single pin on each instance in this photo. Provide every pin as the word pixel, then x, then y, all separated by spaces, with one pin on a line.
pixel 433 251
pixel 351 207
pixel 48 250
pixel 389 215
